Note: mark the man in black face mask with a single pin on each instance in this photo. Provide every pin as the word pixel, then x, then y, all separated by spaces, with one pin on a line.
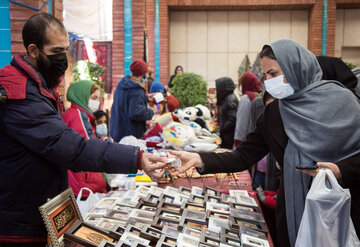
pixel 36 146
pixel 52 67
pixel 47 48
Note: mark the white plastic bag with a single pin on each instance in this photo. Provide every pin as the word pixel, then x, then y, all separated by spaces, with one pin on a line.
pixel 86 205
pixel 132 141
pixel 326 220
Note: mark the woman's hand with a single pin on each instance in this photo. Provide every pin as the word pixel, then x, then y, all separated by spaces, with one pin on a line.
pixel 333 167
pixel 188 160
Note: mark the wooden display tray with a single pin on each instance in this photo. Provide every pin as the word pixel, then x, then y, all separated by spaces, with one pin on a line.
pixel 59 214
pixel 86 234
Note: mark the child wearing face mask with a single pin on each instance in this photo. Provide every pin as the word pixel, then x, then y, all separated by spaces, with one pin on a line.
pixel 101 120
pixel 85 99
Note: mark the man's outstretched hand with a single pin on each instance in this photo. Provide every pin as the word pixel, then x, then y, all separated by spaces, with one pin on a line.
pixel 151 164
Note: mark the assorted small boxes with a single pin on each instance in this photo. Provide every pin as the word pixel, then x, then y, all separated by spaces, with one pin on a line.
pixel 164 217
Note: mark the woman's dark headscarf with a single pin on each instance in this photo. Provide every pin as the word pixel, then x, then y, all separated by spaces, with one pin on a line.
pixel 334 68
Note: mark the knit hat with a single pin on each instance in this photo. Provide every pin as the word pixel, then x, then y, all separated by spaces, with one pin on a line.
pixel 156 87
pixel 138 68
pixel 172 103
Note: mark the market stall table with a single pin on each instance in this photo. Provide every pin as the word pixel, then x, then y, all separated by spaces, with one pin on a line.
pixel 243 182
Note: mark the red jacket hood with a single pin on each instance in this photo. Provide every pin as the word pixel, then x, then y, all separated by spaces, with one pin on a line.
pixel 91 116
pixel 14 76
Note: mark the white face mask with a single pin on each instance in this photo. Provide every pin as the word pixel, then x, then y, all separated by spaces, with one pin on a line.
pixel 101 130
pixel 93 105
pixel 278 88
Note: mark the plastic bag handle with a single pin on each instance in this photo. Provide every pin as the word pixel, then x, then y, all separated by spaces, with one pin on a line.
pixel 80 193
pixel 332 179
pixel 320 178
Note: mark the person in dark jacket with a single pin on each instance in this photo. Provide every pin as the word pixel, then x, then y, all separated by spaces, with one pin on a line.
pixel 334 68
pixel 178 69
pixel 228 103
pixel 129 111
pixel 305 123
pixel 37 147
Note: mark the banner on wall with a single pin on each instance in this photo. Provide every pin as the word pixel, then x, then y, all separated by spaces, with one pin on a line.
pixel 103 50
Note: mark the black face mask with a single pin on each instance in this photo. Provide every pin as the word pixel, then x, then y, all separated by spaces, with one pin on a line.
pixel 52 67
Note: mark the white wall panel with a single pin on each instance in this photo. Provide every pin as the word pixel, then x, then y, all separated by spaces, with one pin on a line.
pixel 280 25
pixel 217 31
pixel 178 31
pixel 197 32
pixel 214 43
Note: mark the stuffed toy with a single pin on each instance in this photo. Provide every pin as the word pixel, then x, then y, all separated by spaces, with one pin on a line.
pixel 155 130
pixel 214 139
pixel 177 115
pixel 189 113
pixel 175 135
pixel 197 114
pixel 164 119
pixel 197 128
pixel 203 112
pixel 200 147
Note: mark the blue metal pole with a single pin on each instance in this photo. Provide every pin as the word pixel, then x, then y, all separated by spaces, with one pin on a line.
pixel 324 28
pixel 157 41
pixel 127 36
pixel 50 7
pixel 5 33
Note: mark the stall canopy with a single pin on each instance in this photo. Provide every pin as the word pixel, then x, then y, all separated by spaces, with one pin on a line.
pixel 89 18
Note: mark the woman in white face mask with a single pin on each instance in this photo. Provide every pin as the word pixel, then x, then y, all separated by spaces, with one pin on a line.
pixel 85 99
pixel 94 100
pixel 310 120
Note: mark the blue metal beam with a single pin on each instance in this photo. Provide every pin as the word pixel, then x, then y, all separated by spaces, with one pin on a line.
pixel 50 7
pixel 128 56
pixel 324 28
pixel 157 41
pixel 5 33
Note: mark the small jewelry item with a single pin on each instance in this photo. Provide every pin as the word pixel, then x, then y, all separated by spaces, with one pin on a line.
pixel 174 162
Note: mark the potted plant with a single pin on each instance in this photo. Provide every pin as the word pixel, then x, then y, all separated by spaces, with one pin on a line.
pixel 190 89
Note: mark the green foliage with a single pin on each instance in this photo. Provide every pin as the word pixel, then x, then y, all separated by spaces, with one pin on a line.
pixel 190 89
pixel 350 65
pixel 86 70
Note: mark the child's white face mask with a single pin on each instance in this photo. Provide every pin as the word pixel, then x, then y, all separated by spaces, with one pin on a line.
pixel 101 130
